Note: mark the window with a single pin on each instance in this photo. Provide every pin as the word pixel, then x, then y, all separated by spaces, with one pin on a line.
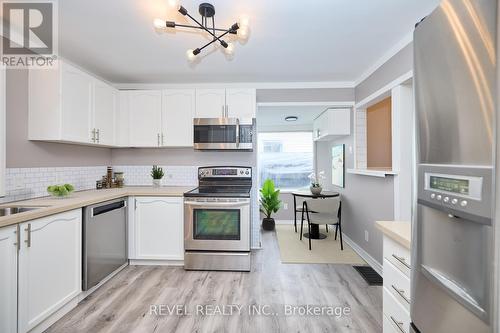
pixel 286 158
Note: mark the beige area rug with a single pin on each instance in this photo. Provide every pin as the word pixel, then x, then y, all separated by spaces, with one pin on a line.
pixel 325 251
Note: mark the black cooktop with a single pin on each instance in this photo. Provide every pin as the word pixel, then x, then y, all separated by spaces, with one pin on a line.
pixel 220 191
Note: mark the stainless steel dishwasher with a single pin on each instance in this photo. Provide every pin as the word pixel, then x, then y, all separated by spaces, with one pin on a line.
pixel 104 240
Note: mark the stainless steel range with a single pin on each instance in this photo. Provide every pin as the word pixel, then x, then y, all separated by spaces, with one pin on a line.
pixel 217 220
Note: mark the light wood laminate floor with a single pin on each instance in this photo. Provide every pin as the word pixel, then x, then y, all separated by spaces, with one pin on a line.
pixel 123 304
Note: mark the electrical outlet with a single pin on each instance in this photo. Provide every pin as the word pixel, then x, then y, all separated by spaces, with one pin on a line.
pixel 366 236
pixel 285 206
pixel 18 182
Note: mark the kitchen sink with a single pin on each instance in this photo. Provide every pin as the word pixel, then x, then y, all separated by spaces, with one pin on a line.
pixel 4 211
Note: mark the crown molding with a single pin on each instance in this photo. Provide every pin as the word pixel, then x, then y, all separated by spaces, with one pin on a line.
pixel 256 85
pixel 407 39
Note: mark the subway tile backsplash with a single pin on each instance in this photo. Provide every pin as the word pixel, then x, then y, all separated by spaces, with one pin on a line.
pixel 174 175
pixel 27 183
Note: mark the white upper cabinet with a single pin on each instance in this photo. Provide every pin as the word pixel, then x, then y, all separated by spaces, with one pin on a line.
pixel 68 105
pixel 105 102
pixel 225 103
pixel 50 262
pixel 210 103
pixel 331 124
pixel 76 104
pixel 8 279
pixel 177 119
pixel 145 129
pixel 241 103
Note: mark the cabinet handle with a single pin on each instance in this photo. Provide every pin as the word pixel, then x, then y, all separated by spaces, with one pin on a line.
pixel 401 293
pixel 93 135
pixel 162 136
pixel 227 111
pixel 18 237
pixel 158 139
pixel 98 132
pixel 223 111
pixel 401 260
pixel 28 237
pixel 399 324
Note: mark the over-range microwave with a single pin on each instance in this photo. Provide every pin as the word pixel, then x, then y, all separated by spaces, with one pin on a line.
pixel 224 133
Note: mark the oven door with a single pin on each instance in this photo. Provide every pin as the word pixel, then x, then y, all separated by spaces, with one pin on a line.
pixel 223 133
pixel 217 224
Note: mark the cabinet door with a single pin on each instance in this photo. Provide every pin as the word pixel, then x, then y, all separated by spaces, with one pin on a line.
pixel 210 103
pixel 49 266
pixel 76 108
pixel 178 114
pixel 159 231
pixel 241 103
pixel 104 113
pixel 8 279
pixel 144 118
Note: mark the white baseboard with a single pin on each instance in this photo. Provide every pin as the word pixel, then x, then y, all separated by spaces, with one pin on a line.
pixel 363 254
pixel 284 221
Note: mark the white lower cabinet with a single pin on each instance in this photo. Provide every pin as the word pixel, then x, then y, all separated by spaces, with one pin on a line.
pixel 50 260
pixel 158 231
pixel 8 279
pixel 396 291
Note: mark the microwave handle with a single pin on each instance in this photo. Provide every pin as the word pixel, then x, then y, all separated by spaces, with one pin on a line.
pixel 237 133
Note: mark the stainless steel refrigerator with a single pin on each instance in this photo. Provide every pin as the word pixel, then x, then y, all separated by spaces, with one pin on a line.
pixel 453 225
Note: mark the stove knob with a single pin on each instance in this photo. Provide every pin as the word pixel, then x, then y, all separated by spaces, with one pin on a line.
pixel 454 201
pixel 241 172
pixel 433 195
pixel 463 203
pixel 446 199
pixel 247 173
pixel 439 197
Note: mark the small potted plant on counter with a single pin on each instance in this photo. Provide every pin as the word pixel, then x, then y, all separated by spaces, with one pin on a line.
pixel 269 203
pixel 157 174
pixel 315 182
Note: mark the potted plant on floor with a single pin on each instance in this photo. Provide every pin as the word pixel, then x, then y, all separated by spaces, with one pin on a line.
pixel 157 174
pixel 315 182
pixel 270 203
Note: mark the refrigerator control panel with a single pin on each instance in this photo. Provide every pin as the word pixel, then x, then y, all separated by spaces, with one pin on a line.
pixel 461 191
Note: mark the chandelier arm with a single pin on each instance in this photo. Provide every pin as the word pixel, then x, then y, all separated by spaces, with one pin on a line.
pixel 213 41
pixel 204 28
pixel 231 31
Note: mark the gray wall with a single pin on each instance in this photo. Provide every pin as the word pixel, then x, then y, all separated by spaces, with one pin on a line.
pixel 399 64
pixel 364 199
pixel 305 95
pixel 22 153
pixel 181 156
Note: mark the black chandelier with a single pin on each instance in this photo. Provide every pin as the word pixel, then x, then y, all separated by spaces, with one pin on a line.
pixel 207 12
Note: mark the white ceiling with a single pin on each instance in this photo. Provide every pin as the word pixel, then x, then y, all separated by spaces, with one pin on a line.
pixel 273 117
pixel 290 41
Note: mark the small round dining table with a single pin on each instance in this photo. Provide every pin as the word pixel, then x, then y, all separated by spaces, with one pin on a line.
pixel 315 234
